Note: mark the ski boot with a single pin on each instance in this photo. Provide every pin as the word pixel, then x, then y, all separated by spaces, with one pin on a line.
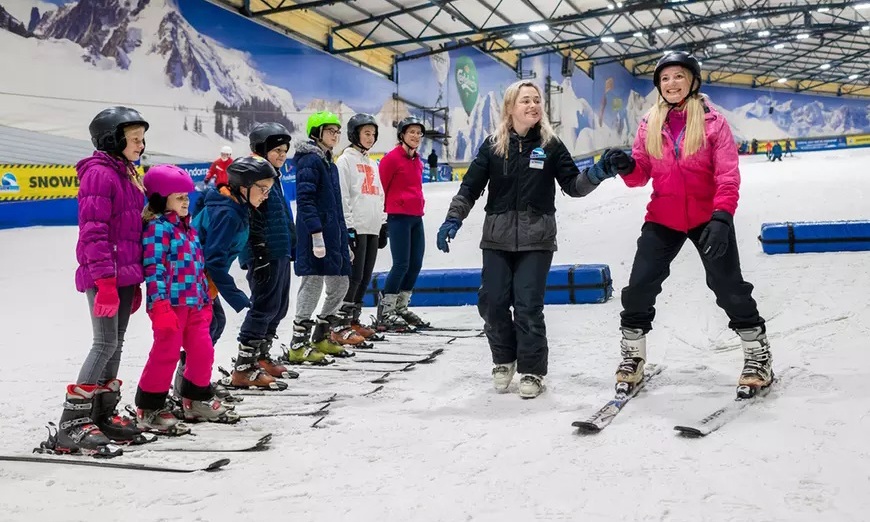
pixel 320 340
pixel 121 429
pixel 208 411
pixel 154 414
pixel 342 333
pixel 354 310
pixel 268 364
pixel 247 372
pixel 633 350
pixel 77 432
pixel 410 317
pixel 301 351
pixel 531 386
pixel 388 319
pixel 502 374
pixel 757 362
pixel 220 390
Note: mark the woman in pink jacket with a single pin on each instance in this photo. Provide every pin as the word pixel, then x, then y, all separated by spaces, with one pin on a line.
pixel 688 151
pixel 109 253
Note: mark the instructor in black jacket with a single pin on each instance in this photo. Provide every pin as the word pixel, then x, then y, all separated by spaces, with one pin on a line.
pixel 521 163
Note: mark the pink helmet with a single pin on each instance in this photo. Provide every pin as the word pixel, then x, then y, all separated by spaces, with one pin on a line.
pixel 166 180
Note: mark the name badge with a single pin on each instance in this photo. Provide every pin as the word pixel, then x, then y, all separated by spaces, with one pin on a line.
pixel 536 164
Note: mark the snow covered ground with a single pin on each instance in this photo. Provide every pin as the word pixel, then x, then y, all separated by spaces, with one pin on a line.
pixel 437 443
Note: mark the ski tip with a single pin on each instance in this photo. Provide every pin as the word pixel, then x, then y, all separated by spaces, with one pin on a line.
pixel 316 424
pixel 585 427
pixel 436 352
pixel 216 465
pixel 689 432
pixel 382 379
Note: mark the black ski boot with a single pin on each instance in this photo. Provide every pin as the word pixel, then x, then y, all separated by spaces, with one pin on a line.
pixel 77 432
pixel 120 429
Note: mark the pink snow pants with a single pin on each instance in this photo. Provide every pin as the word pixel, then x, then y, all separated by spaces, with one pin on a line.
pixel 193 335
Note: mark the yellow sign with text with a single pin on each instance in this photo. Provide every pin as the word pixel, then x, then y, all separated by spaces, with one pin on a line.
pixel 35 182
pixel 861 139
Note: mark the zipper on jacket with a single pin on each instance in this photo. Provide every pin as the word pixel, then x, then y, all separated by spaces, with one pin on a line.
pixel 679 168
pixel 517 228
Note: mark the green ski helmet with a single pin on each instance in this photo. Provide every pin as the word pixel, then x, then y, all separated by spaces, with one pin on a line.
pixel 314 127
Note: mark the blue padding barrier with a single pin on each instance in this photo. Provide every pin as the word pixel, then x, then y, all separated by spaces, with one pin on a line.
pixel 49 212
pixel 815 236
pixel 566 284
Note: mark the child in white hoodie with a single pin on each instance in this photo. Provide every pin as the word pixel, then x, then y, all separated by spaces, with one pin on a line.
pixel 363 203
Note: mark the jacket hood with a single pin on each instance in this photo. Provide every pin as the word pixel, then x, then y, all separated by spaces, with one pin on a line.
pixel 352 152
pixel 101 159
pixel 214 198
pixel 309 147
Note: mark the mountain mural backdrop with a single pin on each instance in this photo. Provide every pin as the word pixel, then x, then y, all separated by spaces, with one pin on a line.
pixel 203 76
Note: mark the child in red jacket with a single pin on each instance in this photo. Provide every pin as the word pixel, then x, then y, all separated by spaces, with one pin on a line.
pixel 218 169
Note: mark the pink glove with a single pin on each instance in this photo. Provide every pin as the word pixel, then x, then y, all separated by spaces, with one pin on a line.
pixel 137 299
pixel 107 301
pixel 163 317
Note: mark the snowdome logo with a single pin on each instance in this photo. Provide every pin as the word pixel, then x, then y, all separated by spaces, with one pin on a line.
pixel 9 183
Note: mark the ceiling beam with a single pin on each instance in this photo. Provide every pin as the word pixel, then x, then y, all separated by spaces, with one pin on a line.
pixel 281 8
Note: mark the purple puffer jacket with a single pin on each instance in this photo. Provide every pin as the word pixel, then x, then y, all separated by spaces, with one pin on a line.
pixel 110 223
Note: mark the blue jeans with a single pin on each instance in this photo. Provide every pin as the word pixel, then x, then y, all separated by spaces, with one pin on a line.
pixel 407 245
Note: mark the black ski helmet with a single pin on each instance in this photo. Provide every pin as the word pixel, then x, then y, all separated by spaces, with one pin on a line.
pixel 107 128
pixel 357 121
pixel 266 136
pixel 407 122
pixel 683 59
pixel 247 170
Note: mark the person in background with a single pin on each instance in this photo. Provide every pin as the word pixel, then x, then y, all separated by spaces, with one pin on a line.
pixel 178 305
pixel 218 169
pixel 401 172
pixel 109 255
pixel 363 202
pixel 519 166
pixel 768 147
pixel 682 138
pixel 788 151
pixel 432 160
pixel 776 152
pixel 323 255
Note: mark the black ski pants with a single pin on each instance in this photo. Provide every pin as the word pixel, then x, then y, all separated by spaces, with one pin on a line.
pixel 656 249
pixel 518 280
pixel 364 256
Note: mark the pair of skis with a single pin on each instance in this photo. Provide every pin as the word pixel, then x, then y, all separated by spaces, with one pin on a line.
pixel 699 428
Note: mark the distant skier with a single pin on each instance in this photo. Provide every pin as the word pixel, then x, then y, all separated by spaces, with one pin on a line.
pixel 788 147
pixel 218 169
pixel 776 152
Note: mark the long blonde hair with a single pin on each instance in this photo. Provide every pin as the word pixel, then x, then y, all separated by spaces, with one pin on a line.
pixel 502 135
pixel 695 135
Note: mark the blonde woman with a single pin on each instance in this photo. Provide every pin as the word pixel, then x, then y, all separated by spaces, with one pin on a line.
pixel 688 151
pixel 520 165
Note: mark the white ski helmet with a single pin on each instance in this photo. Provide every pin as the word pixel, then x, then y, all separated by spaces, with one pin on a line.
pixel 226 150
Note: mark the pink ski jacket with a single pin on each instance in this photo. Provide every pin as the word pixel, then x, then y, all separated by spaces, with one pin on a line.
pixel 686 191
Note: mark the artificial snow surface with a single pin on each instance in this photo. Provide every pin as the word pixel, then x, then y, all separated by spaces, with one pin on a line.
pixel 438 443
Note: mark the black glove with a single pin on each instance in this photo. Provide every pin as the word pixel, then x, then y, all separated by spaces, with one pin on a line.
pixel 351 238
pixel 619 161
pixel 382 236
pixel 260 263
pixel 715 236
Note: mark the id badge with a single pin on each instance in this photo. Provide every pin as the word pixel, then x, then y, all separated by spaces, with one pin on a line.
pixel 536 164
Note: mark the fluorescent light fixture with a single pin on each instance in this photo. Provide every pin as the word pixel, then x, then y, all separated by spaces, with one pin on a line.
pixel 727 25
pixel 866 28
pixel 782 80
pixel 663 30
pixel 607 39
pixel 700 63
pixel 861 6
pixel 750 20
pixel 618 4
pixel 825 66
pixel 802 36
pixel 823 9
pixel 537 28
pixel 638 35
pixel 779 46
pixel 521 36
pixel 764 33
pixel 853 76
pixel 721 46
pixel 610 6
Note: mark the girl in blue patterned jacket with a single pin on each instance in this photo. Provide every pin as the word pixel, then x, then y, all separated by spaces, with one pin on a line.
pixel 179 307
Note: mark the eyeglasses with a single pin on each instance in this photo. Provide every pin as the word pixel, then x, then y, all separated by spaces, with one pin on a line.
pixel 264 190
pixel 414 133
pixel 334 132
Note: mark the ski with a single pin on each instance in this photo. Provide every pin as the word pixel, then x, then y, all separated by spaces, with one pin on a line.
pixel 426 359
pixel 361 368
pixel 410 353
pixel 81 460
pixel 605 415
pixel 200 443
pixel 287 413
pixel 450 329
pixel 728 412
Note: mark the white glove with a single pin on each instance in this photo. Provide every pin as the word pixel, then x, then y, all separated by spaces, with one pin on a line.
pixel 351 254
pixel 318 246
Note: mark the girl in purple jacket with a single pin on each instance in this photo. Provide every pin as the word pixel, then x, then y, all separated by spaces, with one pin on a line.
pixel 179 308
pixel 109 253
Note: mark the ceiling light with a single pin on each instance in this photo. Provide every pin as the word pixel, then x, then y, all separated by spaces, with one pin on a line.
pixel 610 6
pixel 663 30
pixel 779 46
pixel 700 63
pixel 782 80
pixel 521 36
pixel 721 46
pixel 638 35
pixel 750 20
pixel 825 66
pixel 861 6
pixel 853 76
pixel 802 36
pixel 727 25
pixel 537 28
pixel 823 9
pixel 607 39
pixel 764 33
pixel 866 28
pixel 618 4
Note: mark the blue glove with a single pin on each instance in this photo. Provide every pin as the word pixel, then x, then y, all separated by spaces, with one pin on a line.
pixel 611 163
pixel 447 232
